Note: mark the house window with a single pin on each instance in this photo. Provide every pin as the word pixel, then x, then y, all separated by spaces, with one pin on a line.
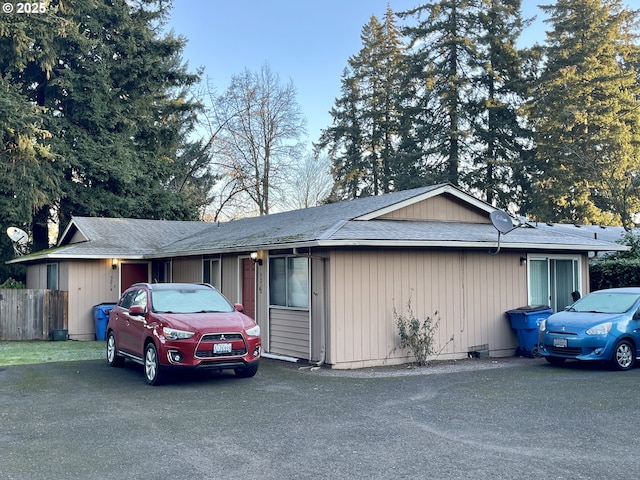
pixel 289 282
pixel 211 272
pixel 52 276
pixel 162 272
pixel 552 280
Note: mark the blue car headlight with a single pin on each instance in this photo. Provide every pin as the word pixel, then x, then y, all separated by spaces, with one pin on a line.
pixel 602 329
pixel 543 325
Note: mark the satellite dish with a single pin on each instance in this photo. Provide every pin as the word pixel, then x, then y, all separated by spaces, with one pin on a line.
pixel 501 220
pixel 17 235
pixel 20 240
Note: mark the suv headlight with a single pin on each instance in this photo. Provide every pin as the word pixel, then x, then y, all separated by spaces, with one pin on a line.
pixel 173 334
pixel 253 331
pixel 543 325
pixel 602 329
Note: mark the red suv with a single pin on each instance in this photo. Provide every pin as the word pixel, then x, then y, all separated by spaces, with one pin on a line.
pixel 165 325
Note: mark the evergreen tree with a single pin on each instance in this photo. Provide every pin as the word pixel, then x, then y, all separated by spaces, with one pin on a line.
pixel 498 137
pixel 113 98
pixel 586 116
pixel 362 143
pixel 28 166
pixel 444 43
pixel 343 141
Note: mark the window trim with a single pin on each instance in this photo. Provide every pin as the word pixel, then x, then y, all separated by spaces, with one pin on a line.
pixel 308 286
pixel 215 272
pixel 578 274
pixel 57 275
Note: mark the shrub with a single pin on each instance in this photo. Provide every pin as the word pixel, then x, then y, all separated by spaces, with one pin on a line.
pixel 611 273
pixel 418 335
pixel 11 283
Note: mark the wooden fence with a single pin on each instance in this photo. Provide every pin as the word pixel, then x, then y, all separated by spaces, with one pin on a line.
pixel 27 314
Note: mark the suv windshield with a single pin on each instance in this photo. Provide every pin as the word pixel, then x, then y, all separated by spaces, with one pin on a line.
pixel 189 300
pixel 605 302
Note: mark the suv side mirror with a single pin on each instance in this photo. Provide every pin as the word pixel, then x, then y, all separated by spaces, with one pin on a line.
pixel 137 310
pixel 238 307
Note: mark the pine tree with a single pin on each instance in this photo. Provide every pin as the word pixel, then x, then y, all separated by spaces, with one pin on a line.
pixel 587 117
pixel 28 165
pixel 498 137
pixel 112 96
pixel 343 141
pixel 362 143
pixel 443 45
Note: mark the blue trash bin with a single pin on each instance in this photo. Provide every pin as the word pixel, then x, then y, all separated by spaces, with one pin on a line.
pixel 526 322
pixel 101 318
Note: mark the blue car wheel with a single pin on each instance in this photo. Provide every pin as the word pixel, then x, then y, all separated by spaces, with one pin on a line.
pixel 624 355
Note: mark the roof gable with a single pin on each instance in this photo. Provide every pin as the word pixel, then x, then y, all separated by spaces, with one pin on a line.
pixel 442 202
pixel 441 208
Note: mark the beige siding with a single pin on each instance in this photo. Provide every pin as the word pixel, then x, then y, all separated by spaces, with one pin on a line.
pixel 231 278
pixel 262 302
pixel 289 332
pixel 584 268
pixel 90 282
pixel 187 269
pixel 470 291
pixel 443 208
pixel 319 306
pixel 37 276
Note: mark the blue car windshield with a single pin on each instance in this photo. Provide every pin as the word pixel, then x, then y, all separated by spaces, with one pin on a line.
pixel 605 303
pixel 189 301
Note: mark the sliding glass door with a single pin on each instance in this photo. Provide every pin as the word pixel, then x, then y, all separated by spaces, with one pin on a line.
pixel 552 280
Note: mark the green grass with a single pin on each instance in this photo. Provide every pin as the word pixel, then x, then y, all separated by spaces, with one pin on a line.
pixel 22 353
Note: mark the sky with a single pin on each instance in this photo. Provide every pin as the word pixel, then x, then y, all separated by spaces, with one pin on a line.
pixel 307 42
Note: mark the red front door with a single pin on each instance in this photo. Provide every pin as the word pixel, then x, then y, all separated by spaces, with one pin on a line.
pixel 133 273
pixel 249 287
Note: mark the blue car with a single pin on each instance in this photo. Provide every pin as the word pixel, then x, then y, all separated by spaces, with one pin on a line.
pixel 601 326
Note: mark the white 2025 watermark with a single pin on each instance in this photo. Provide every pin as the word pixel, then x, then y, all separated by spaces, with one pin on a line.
pixel 24 7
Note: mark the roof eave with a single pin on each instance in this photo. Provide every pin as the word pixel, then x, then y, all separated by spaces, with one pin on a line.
pixel 398 243
pixel 61 256
pixel 463 244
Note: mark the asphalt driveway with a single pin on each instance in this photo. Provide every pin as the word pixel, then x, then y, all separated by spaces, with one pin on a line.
pixel 498 419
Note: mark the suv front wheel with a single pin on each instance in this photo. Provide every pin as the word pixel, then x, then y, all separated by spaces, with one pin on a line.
pixel 151 365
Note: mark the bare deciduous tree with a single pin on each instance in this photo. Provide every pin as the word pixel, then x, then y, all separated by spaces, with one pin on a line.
pixel 256 129
pixel 309 183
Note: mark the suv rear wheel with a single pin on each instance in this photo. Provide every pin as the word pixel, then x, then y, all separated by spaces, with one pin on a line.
pixel 113 358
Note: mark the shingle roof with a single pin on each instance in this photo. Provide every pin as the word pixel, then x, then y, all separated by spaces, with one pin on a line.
pixel 326 225
pixel 596 232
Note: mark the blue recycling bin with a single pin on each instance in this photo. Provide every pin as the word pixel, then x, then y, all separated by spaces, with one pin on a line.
pixel 526 322
pixel 101 318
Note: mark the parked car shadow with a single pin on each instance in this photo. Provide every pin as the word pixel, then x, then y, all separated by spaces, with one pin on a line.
pixel 584 366
pixel 134 372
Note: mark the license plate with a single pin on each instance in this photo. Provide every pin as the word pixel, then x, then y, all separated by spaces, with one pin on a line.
pixel 560 342
pixel 221 348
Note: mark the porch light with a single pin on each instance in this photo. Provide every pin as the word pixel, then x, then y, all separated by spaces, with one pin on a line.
pixel 114 263
pixel 256 257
